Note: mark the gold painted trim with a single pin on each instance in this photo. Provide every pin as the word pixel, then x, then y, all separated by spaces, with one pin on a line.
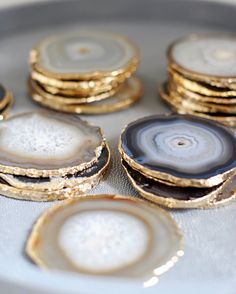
pixel 172 203
pixel 90 108
pixel 80 184
pixel 229 121
pixel 35 88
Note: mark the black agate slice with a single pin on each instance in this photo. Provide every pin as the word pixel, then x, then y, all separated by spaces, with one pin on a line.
pixel 184 150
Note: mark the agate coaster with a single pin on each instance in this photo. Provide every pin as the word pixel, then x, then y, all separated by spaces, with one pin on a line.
pixel 79 180
pixel 177 106
pixel 128 94
pixel 173 196
pixel 205 57
pixel 44 144
pixel 116 236
pixel 70 100
pixel 184 150
pixel 84 55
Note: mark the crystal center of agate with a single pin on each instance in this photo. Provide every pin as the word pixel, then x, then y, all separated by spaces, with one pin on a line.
pixel 209 55
pixel 103 240
pixel 40 137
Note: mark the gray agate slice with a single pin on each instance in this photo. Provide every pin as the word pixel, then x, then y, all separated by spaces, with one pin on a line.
pixel 85 53
pixel 180 147
pixel 212 55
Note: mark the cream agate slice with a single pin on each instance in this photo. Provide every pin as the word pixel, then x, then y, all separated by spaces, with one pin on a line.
pixel 42 144
pixel 128 94
pixel 205 56
pixel 83 55
pixel 106 235
pixel 184 150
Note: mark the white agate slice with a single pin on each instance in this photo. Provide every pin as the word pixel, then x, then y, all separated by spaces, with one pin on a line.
pixel 44 141
pixel 207 55
pixel 106 234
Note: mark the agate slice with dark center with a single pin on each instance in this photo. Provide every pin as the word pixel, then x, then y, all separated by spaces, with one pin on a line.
pixel 159 189
pixel 181 146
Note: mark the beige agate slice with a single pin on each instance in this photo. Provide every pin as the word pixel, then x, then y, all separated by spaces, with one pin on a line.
pixel 48 144
pixel 228 120
pixel 201 87
pixel 80 181
pixel 106 235
pixel 82 87
pixel 129 93
pixel 70 100
pixel 84 55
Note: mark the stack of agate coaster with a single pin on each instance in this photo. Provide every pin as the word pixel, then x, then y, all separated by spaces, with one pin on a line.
pixel 86 72
pixel 109 235
pixel 50 156
pixel 6 100
pixel 202 77
pixel 180 161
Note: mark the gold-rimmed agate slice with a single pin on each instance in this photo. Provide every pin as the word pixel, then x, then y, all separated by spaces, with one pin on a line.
pixel 68 100
pixel 80 87
pixel 84 56
pixel 199 98
pixel 185 150
pixel 225 197
pixel 128 94
pixel 188 102
pixel 200 87
pixel 43 144
pixel 80 181
pixel 177 106
pixel 144 241
pixel 174 196
pixel 209 57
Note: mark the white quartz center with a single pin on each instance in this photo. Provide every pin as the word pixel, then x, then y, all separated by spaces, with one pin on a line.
pixel 103 240
pixel 37 136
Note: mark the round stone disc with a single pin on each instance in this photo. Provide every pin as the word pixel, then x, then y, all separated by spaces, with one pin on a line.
pixel 205 56
pixel 83 55
pixel 230 101
pixel 201 87
pixel 79 181
pixel 177 106
pixel 128 94
pixel 185 150
pixel 68 100
pixel 43 144
pixel 81 87
pixel 170 196
pixel 111 235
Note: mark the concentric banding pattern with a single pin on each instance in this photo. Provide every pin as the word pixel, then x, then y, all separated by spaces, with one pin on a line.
pixel 183 146
pixel 106 234
pixel 84 53
pixel 206 55
pixel 46 141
